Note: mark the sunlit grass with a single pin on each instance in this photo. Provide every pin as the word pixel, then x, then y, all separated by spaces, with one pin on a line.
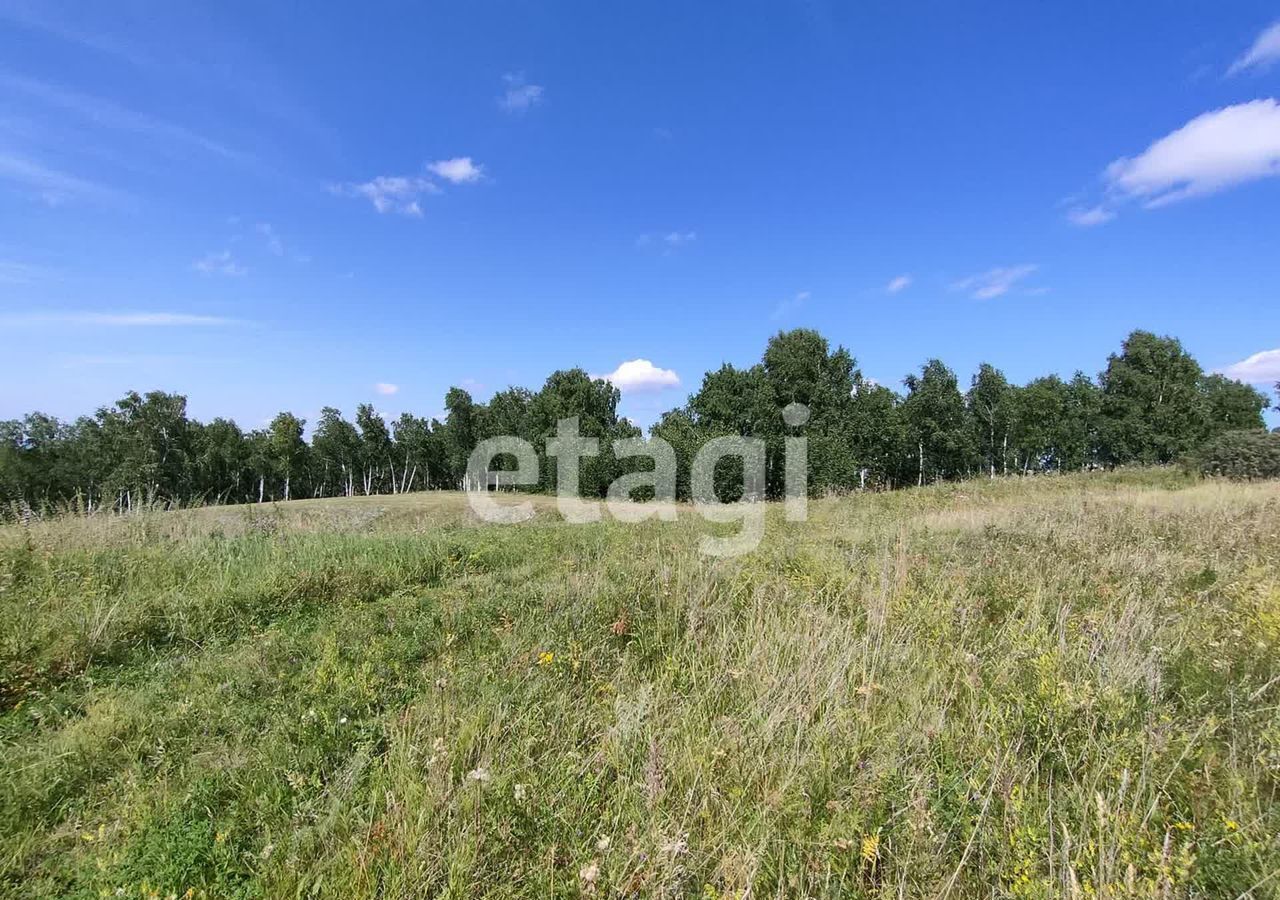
pixel 1053 687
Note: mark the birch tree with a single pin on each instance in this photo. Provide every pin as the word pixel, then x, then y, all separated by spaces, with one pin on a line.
pixel 287 448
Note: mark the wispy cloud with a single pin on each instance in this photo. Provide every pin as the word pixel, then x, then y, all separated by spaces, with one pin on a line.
pixel 459 170
pixel 219 263
pixel 274 243
pixel 1087 217
pixel 402 193
pixel 35 17
pixel 386 388
pixel 791 304
pixel 641 375
pixel 13 272
pixel 899 284
pixel 391 193
pixel 669 241
pixel 120 319
pixel 994 282
pixel 1261 368
pixel 1262 55
pixel 519 96
pixel 203 55
pixel 1212 152
pixel 106 114
pixel 96 360
pixel 50 185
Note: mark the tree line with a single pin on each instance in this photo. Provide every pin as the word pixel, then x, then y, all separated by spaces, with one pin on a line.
pixel 1151 404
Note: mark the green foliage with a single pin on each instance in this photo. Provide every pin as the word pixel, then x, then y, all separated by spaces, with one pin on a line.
pixel 594 402
pixel 1240 454
pixel 1152 405
pixel 991 402
pixel 336 451
pixel 854 430
pixel 287 448
pixel 1231 404
pixel 460 434
pixel 1150 396
pixel 1158 403
pixel 938 424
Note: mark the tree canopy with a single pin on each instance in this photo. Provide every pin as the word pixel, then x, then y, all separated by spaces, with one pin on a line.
pixel 1151 404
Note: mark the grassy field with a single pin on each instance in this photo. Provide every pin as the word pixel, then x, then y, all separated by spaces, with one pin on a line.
pixel 1058 687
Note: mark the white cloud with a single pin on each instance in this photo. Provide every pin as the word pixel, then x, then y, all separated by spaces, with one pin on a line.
pixel 1212 152
pixel 1264 52
pixel 386 388
pixel 519 95
pixel 391 193
pixel 791 304
pixel 197 57
pixel 144 319
pixel 641 375
pixel 459 170
pixel 1261 368
pixel 13 272
pixel 274 243
pixel 1088 217
pixel 92 360
pixel 105 114
pixel 670 241
pixel 37 17
pixel 222 263
pixel 401 193
pixel 50 185
pixel 994 282
pixel 899 284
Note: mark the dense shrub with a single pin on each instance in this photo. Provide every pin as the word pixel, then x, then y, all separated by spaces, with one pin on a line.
pixel 1241 454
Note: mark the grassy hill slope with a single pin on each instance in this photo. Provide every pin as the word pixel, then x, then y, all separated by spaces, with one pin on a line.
pixel 1055 687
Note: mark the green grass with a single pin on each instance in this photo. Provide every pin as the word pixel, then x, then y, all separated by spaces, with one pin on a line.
pixel 1059 687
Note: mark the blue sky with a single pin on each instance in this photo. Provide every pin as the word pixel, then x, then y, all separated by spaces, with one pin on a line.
pixel 270 206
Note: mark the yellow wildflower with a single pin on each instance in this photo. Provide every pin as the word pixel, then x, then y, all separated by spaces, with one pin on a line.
pixel 871 848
